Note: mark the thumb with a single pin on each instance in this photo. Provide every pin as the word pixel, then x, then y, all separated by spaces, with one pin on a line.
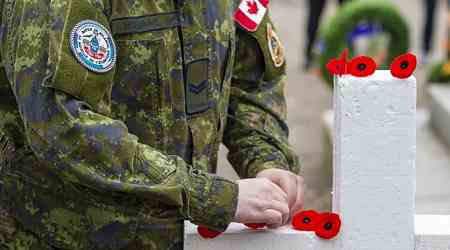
pixel 273 218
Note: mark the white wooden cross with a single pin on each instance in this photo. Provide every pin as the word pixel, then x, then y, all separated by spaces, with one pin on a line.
pixel 374 178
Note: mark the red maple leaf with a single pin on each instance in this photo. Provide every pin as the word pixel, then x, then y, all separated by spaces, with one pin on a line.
pixel 252 7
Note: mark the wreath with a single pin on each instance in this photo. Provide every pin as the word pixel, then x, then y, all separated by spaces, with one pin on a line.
pixel 359 18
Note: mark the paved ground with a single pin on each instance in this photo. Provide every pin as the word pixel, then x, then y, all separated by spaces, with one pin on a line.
pixel 433 171
pixel 308 97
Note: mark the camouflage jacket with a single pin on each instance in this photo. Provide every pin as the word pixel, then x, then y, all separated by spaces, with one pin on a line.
pixel 90 160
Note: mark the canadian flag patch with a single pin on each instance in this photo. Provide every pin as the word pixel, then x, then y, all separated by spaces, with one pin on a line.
pixel 250 13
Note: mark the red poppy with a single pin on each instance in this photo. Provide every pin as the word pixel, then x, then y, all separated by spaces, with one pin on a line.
pixel 207 233
pixel 404 65
pixel 338 66
pixel 255 225
pixel 306 220
pixel 361 66
pixel 329 225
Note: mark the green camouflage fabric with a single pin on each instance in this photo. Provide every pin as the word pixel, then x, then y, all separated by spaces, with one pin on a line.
pixel 119 160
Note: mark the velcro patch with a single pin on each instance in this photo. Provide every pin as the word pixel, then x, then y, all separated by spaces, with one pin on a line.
pixel 251 13
pixel 93 46
pixel 276 49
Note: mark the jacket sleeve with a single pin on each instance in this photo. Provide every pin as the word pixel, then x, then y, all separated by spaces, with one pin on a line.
pixel 256 133
pixel 64 108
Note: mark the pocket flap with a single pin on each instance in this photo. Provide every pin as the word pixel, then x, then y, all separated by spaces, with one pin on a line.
pixel 147 23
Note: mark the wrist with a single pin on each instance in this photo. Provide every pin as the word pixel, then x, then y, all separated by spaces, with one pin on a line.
pixel 212 201
pixel 256 170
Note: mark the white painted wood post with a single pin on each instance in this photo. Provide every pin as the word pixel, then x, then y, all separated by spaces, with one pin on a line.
pixel 374 174
pixel 374 161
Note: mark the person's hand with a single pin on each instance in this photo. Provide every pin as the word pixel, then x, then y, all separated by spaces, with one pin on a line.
pixel 261 201
pixel 291 184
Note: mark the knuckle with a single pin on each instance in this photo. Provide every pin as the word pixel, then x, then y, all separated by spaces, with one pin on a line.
pixel 290 174
pixel 293 179
pixel 269 188
pixel 277 195
pixel 264 193
pixel 275 215
pixel 279 219
pixel 253 215
pixel 272 190
pixel 262 205
pixel 266 182
pixel 283 209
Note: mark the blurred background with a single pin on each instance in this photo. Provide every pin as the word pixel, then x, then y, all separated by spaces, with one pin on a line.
pixel 309 96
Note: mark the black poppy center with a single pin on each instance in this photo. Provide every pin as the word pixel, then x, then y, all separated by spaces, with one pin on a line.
pixel 404 65
pixel 328 226
pixel 362 66
pixel 306 220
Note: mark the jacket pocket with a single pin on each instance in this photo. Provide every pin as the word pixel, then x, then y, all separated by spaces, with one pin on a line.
pixel 138 80
pixel 142 67
pixel 142 94
pixel 139 94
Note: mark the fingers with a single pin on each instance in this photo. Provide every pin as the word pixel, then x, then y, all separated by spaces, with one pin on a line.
pixel 276 200
pixel 299 203
pixel 287 181
pixel 279 201
pixel 277 193
pixel 293 186
pixel 268 212
pixel 289 185
pixel 281 207
pixel 263 201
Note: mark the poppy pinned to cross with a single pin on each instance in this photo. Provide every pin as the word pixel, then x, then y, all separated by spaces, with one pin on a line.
pixel 402 67
pixel 325 225
pixel 250 14
pixel 207 233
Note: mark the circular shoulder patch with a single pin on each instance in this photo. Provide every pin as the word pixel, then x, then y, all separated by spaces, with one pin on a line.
pixel 93 46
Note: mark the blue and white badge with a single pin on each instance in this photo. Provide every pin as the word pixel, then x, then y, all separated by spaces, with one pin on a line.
pixel 93 46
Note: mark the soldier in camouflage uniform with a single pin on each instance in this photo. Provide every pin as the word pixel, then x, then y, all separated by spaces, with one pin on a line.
pixel 111 117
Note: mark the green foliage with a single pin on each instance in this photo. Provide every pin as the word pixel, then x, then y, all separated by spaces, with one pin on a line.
pixel 438 74
pixel 335 31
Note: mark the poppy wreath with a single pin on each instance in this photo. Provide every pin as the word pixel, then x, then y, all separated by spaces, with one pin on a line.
pixel 325 225
pixel 334 34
